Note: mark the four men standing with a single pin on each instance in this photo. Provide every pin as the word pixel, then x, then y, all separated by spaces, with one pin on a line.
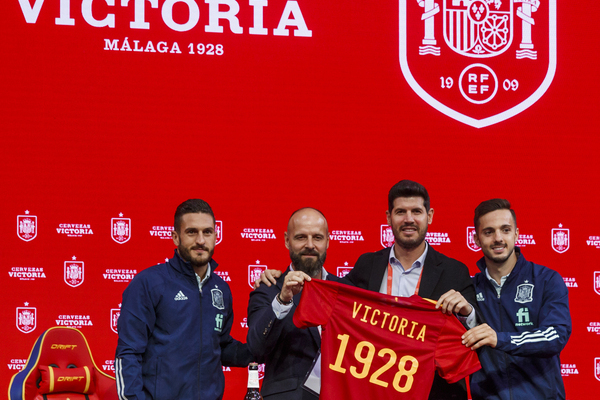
pixel 168 350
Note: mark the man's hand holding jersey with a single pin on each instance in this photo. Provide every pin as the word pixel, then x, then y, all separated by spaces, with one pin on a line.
pixel 453 302
pixel 482 335
pixel 292 285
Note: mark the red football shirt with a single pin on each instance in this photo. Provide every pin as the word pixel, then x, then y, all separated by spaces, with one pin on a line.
pixel 378 346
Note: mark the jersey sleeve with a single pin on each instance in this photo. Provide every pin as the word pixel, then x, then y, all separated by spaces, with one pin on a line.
pixel 316 304
pixel 453 360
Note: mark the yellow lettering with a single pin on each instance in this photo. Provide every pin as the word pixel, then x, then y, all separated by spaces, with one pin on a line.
pixel 373 316
pixel 385 315
pixel 403 324
pixel 63 346
pixel 410 335
pixel 356 310
pixel 421 335
pixel 364 318
pixel 393 323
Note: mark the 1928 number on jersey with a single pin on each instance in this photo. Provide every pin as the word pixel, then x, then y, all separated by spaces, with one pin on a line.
pixel 364 354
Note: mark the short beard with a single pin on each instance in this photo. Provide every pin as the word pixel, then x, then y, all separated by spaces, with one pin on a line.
pixel 310 267
pixel 410 244
pixel 185 254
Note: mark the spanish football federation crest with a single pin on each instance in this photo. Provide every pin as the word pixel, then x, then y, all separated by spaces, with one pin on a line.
pixel 74 272
pixel 343 271
pixel 115 313
pixel 386 236
pixel 597 282
pixel 560 239
pixel 254 272
pixel 26 318
pixel 217 298
pixel 597 368
pixel 26 226
pixel 218 231
pixel 478 61
pixel 120 230
pixel 471 240
pixel 524 293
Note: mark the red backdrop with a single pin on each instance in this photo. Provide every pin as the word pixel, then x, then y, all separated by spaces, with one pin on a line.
pixel 270 123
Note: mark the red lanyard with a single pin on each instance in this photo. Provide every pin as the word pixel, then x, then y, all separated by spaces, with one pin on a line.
pixel 390 278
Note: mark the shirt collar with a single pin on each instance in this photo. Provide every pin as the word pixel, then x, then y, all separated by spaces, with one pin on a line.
pixel 502 280
pixel 201 282
pixel 417 264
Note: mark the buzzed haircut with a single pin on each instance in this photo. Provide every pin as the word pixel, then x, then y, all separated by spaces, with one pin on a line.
pixel 491 205
pixel 406 188
pixel 191 206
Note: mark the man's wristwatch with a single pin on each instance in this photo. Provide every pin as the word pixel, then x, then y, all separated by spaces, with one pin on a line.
pixel 278 297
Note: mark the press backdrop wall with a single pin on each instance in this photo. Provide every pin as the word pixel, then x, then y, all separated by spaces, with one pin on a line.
pixel 113 113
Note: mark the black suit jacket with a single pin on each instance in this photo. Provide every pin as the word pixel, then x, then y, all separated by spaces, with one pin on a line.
pixel 288 352
pixel 440 274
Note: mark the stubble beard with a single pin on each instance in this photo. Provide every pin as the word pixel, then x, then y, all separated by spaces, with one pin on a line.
pixel 187 255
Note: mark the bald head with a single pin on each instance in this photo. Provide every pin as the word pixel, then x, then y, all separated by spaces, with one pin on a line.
pixel 305 215
pixel 307 239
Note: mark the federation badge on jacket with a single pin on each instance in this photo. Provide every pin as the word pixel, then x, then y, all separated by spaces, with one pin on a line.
pixel 217 298
pixel 478 61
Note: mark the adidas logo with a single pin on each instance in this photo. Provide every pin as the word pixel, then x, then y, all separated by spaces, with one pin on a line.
pixel 480 297
pixel 180 296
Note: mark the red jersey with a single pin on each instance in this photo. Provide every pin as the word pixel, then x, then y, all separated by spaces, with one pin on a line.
pixel 375 346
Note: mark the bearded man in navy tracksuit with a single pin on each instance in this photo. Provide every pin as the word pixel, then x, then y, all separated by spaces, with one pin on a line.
pixel 526 307
pixel 176 317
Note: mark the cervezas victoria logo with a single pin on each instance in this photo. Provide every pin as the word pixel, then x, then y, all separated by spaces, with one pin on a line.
pixel 26 226
pixel 478 61
pixel 120 230
pixel 74 271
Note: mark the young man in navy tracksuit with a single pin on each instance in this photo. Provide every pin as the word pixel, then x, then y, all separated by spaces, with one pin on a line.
pixel 176 318
pixel 527 312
